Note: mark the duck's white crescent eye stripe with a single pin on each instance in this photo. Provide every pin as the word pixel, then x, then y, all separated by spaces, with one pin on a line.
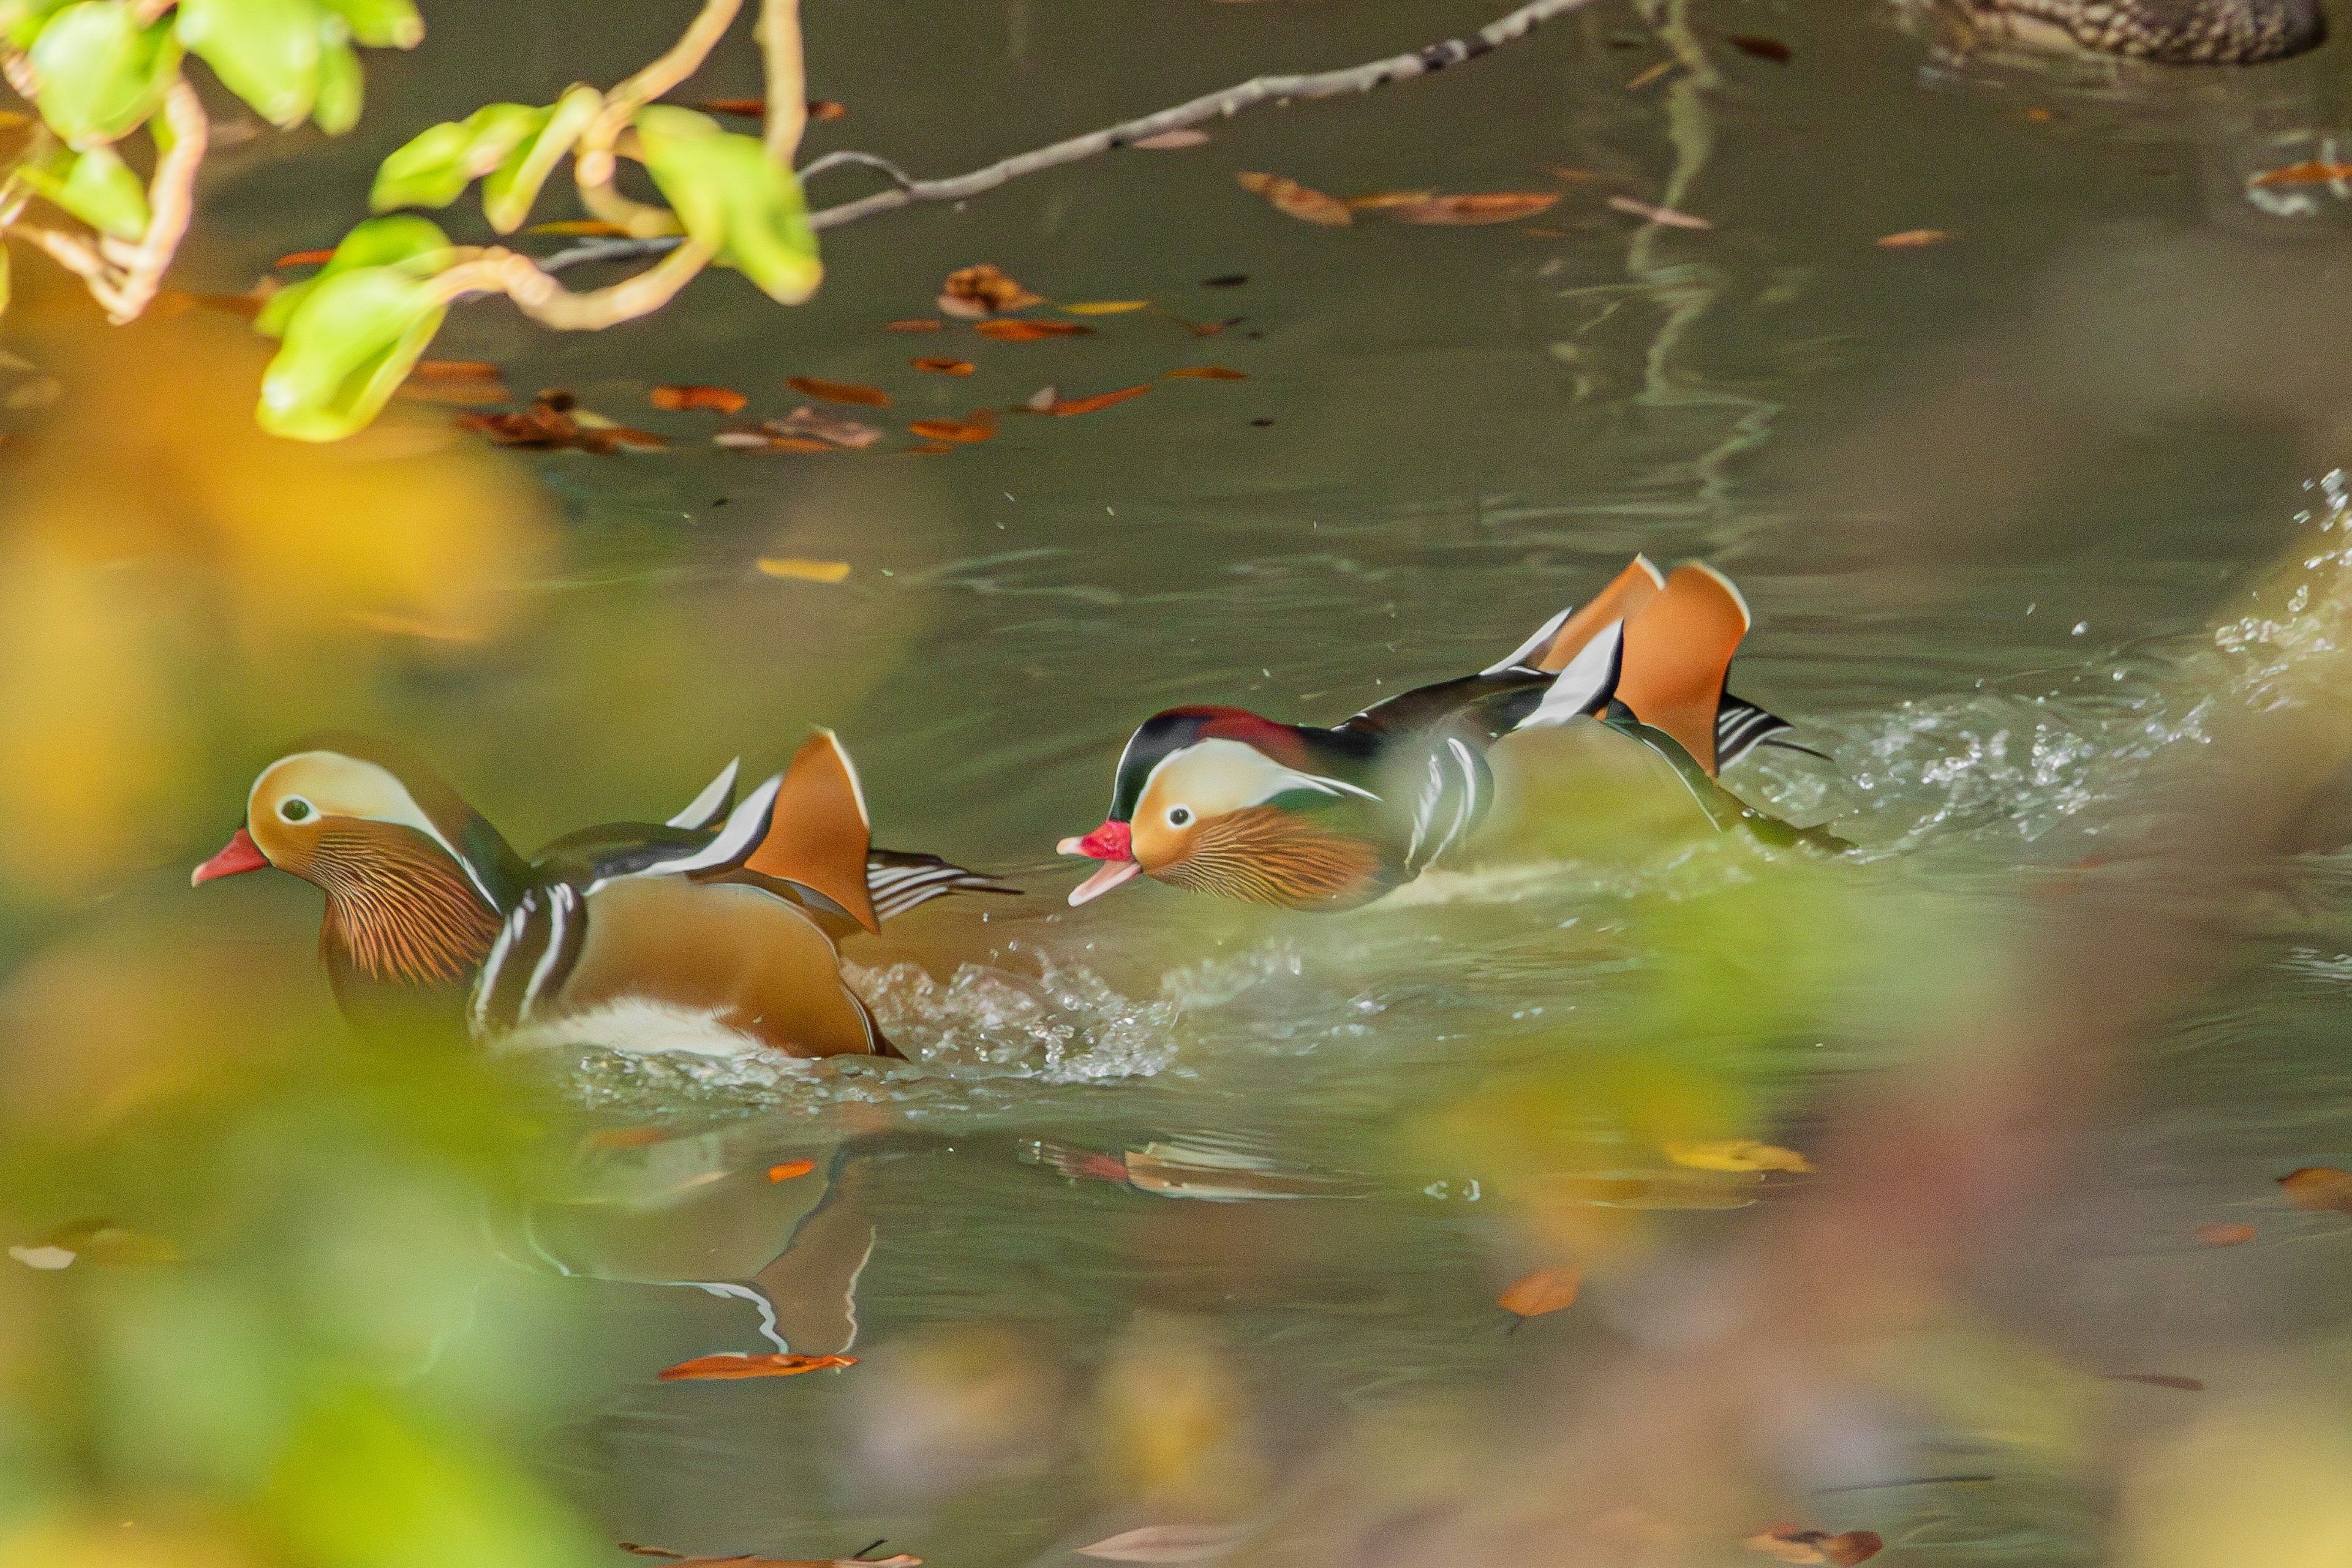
pixel 390 802
pixel 705 809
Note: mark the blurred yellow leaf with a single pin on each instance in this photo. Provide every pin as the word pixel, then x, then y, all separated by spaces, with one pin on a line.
pixel 1106 307
pixel 1736 1154
pixel 807 571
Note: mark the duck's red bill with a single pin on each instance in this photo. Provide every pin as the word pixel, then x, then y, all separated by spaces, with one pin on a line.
pixel 1112 843
pixel 238 855
pixel 1112 874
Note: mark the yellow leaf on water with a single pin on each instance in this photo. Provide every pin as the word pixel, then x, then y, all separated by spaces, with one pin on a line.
pixel 1105 306
pixel 1736 1154
pixel 807 571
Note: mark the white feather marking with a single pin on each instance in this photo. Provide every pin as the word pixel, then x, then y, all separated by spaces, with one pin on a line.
pixel 1534 646
pixel 705 809
pixel 559 919
pixel 1588 677
pixel 857 786
pixel 746 825
pixel 638 1027
pixel 478 1014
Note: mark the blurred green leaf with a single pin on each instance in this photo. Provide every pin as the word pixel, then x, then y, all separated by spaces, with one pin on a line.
pixel 382 24
pixel 435 166
pixel 361 1487
pixel 102 73
pixel 264 51
pixel 510 189
pixel 342 88
pixel 378 242
pixel 96 186
pixel 732 197
pixel 349 344
pixel 21 20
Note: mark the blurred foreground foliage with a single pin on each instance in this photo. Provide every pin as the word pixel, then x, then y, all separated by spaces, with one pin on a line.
pixel 102 72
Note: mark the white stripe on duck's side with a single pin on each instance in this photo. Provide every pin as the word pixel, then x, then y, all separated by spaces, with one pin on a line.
pixel 712 804
pixel 1585 683
pixel 746 825
pixel 1458 776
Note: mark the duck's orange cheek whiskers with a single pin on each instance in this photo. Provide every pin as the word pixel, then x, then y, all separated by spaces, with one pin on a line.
pixel 240 853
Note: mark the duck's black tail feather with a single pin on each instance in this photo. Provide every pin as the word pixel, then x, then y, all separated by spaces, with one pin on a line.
pixel 899 881
pixel 1741 726
pixel 1726 810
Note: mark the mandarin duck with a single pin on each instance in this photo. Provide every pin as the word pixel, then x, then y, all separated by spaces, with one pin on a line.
pixel 1220 800
pixel 712 932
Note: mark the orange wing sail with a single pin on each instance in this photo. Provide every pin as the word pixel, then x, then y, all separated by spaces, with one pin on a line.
pixel 1678 649
pixel 818 834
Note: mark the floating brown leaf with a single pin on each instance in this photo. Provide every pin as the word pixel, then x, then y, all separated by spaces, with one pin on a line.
pixel 987 288
pixel 912 325
pixel 1172 141
pixel 1736 1154
pixel 1206 372
pixel 2225 1235
pixel 1645 78
pixel 2157 1380
pixel 839 391
pixel 1795 1543
pixel 807 572
pixel 854 433
pixel 453 370
pixel 305 259
pixel 554 422
pixel 1545 1290
pixel 1666 215
pixel 1376 200
pixel 2319 1187
pixel 1099 400
pixel 1759 47
pixel 761 441
pixel 789 1169
pixel 1911 239
pixel 1022 330
pixel 1166 1544
pixel 723 1367
pixel 1477 207
pixel 943 366
pixel 710 399
pixel 978 426
pixel 2310 172
pixel 754 107
pixel 1292 199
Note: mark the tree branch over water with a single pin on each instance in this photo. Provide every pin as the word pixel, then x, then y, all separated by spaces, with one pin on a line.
pixel 1218 105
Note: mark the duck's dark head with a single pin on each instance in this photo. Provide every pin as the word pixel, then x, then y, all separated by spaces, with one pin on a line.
pixel 1221 801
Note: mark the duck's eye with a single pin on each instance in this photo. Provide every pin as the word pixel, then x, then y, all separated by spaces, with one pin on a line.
pixel 1179 816
pixel 294 808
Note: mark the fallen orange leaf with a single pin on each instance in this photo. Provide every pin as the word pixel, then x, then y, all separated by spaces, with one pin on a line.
pixel 943 366
pixel 789 1169
pixel 1545 1290
pixel 723 1367
pixel 305 259
pixel 1736 1154
pixel 711 399
pixel 807 572
pixel 1206 372
pixel 1292 199
pixel 839 391
pixel 1911 239
pixel 979 426
pixel 2310 172
pixel 1020 330
pixel 912 325
pixel 2225 1235
pixel 1481 207
pixel 586 228
pixel 2319 1187
pixel 1100 400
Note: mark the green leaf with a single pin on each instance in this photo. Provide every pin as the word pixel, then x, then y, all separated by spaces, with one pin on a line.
pixel 382 24
pixel 342 89
pixel 96 186
pixel 349 341
pixel 435 168
pixel 732 197
pixel 413 243
pixel 361 1487
pixel 102 73
pixel 264 51
pixel 21 20
pixel 510 189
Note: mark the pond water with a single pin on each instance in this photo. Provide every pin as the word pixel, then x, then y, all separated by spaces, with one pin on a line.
pixel 1990 499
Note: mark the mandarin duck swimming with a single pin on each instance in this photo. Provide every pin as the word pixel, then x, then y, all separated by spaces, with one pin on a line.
pixel 712 932
pixel 1222 801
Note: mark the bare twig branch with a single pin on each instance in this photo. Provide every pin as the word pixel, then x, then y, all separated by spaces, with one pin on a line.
pixel 862 160
pixel 681 60
pixel 171 202
pixel 502 271
pixel 1211 106
pixel 780 45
